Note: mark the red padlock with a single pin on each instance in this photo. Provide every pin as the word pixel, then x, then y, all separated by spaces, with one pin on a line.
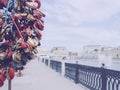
pixel 11 73
pixel 2 77
pixel 23 45
pixel 38 24
pixel 4 2
pixel 37 14
pixel 9 55
pixel 1 22
pixel 38 2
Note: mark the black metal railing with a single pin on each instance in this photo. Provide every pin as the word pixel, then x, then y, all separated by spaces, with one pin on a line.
pixel 46 62
pixel 43 60
pixel 112 80
pixel 92 77
pixel 56 65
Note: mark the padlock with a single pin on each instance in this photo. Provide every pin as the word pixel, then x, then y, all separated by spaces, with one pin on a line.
pixel 2 56
pixel 1 22
pixel 11 73
pixel 33 42
pixel 23 45
pixel 38 3
pixel 16 56
pixel 37 14
pixel 38 24
pixel 33 4
pixel 9 54
pixel 4 2
pixel 2 77
pixel 30 17
pixel 17 6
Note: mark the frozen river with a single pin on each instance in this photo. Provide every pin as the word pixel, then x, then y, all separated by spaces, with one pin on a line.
pixel 109 64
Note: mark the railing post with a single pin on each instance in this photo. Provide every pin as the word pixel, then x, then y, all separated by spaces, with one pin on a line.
pixel 43 60
pixel 63 68
pixel 48 62
pixel 76 73
pixel 104 79
pixel 56 66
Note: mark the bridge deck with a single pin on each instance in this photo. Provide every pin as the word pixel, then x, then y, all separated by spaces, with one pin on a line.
pixel 37 76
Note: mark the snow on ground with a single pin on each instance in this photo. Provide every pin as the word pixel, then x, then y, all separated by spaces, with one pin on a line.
pixel 37 76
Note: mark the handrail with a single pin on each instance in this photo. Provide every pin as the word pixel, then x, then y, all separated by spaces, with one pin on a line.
pixel 93 78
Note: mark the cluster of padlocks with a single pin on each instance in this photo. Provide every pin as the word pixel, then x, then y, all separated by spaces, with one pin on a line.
pixel 20 34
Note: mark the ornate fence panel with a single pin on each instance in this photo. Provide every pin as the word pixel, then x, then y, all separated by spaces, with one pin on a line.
pixel 92 77
pixel 70 71
pixel 113 80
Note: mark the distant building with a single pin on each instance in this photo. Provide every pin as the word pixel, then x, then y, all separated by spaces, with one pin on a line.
pixel 73 55
pixel 88 52
pixel 91 51
pixel 60 53
pixel 116 53
pixel 44 52
pixel 107 51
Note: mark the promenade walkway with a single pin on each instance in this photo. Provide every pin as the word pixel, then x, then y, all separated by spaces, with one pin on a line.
pixel 37 76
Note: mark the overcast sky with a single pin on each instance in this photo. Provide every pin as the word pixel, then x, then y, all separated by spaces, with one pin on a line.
pixel 76 23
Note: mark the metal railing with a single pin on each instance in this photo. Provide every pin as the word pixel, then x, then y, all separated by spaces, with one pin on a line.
pixel 93 78
pixel 46 62
pixel 56 65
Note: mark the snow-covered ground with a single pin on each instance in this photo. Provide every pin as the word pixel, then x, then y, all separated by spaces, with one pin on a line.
pixel 37 76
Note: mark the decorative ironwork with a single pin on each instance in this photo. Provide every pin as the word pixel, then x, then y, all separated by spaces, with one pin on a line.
pixel 92 77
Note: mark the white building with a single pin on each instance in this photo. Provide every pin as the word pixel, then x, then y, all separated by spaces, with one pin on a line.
pixel 88 52
pixel 107 51
pixel 91 51
pixel 60 53
pixel 44 52
pixel 73 55
pixel 116 53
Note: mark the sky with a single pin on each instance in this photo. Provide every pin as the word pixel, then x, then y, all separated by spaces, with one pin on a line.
pixel 77 23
